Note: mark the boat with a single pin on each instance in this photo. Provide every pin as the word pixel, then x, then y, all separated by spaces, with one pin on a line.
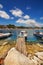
pixel 23 34
pixel 5 35
pixel 38 34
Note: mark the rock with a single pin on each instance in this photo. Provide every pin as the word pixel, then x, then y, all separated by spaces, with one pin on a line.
pixel 40 55
pixel 4 43
pixel 14 57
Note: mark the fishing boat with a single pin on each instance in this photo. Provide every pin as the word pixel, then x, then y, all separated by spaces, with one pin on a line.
pixel 23 34
pixel 5 35
pixel 38 34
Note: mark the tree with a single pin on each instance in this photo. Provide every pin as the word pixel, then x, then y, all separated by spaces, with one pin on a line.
pixel 11 26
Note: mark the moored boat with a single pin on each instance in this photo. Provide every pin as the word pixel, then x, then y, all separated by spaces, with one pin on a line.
pixel 5 35
pixel 38 34
pixel 23 34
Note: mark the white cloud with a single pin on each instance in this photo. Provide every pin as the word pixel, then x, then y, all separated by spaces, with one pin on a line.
pixel 3 14
pixel 1 6
pixel 20 21
pixel 41 18
pixel 29 22
pixel 17 12
pixel 26 17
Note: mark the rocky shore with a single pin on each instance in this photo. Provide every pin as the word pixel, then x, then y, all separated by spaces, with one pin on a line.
pixel 11 56
pixel 14 57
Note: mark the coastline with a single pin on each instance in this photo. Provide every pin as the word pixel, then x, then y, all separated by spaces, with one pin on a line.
pixel 20 28
pixel 31 48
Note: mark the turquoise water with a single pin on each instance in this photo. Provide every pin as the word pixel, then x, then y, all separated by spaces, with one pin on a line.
pixel 30 37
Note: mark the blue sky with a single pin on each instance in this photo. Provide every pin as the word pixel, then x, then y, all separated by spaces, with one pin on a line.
pixel 21 12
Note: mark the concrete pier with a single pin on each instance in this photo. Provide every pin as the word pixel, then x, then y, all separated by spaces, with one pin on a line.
pixel 20 45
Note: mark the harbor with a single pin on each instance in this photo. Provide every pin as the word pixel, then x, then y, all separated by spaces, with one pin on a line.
pixel 29 51
pixel 15 32
pixel 21 32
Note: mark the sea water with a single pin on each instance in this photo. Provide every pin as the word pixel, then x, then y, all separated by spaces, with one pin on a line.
pixel 15 33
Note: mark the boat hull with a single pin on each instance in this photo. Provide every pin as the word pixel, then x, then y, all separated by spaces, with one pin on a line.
pixel 38 36
pixel 5 36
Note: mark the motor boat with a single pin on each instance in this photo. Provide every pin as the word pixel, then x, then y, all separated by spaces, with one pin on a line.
pixel 38 34
pixel 5 35
pixel 23 34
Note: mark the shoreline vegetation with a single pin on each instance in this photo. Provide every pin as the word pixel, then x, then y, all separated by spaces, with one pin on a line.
pixel 10 26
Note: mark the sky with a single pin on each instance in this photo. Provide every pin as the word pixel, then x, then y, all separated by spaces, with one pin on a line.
pixel 21 12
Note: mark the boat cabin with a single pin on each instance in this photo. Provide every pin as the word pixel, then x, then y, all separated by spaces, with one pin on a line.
pixel 23 34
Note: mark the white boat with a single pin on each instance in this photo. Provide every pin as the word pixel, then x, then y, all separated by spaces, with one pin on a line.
pixel 5 35
pixel 23 34
pixel 38 34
